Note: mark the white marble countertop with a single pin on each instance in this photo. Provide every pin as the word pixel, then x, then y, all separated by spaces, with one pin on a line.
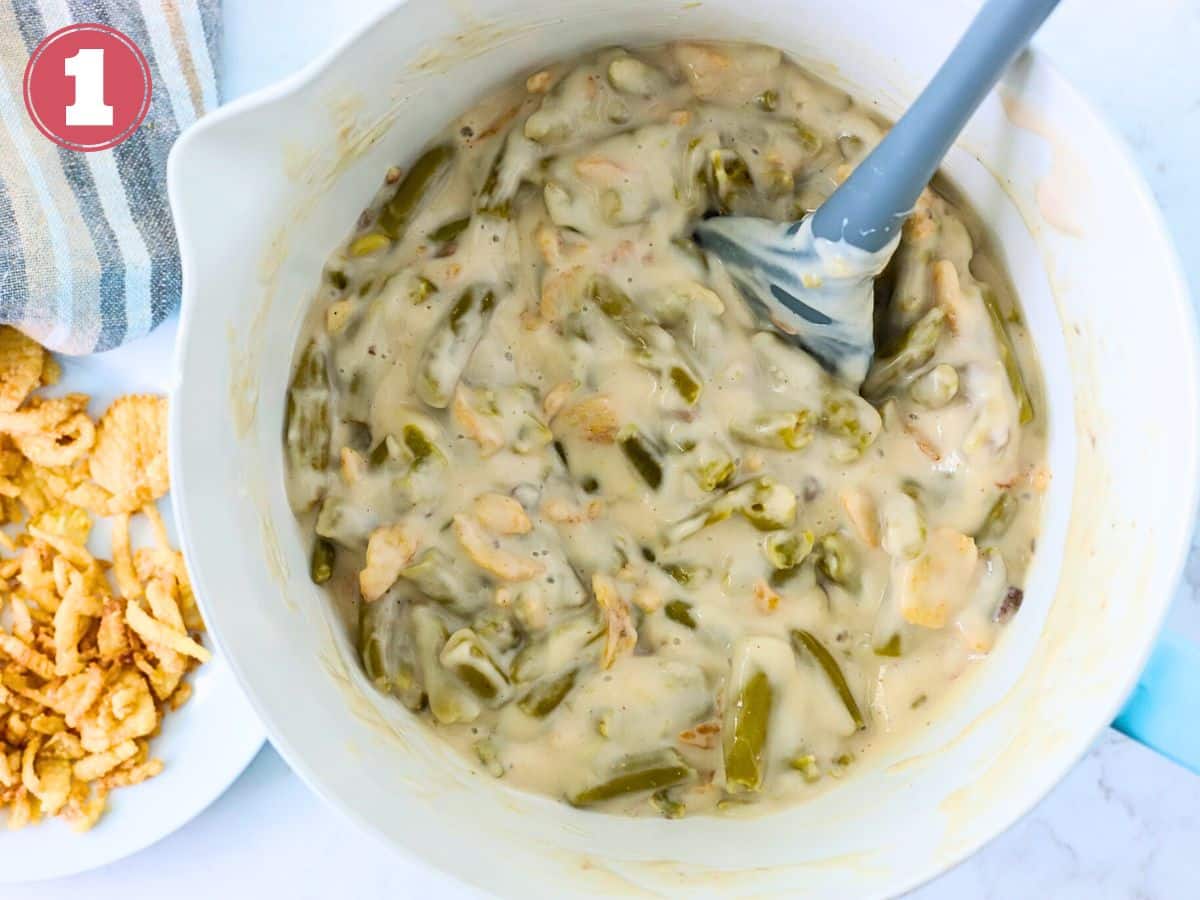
pixel 1125 823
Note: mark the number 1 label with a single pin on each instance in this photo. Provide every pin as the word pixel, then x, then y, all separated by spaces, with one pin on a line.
pixel 86 67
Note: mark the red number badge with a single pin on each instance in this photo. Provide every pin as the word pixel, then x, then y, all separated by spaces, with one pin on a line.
pixel 87 87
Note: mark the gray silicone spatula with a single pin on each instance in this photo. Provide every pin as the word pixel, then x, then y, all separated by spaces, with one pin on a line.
pixel 813 278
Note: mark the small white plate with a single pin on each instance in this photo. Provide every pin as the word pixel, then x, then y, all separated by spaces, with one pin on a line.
pixel 205 744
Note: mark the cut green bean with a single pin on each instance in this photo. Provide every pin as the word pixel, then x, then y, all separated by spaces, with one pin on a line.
pixel 891 648
pixel 680 612
pixel 440 578
pixel 451 344
pixel 489 757
pixel 785 550
pixel 418 444
pixel 307 424
pixel 771 506
pixel 667 805
pixel 777 431
pixel 806 765
pixel 807 641
pixel 443 234
pixel 686 384
pixel 637 775
pixel 421 290
pixel 715 474
pixel 746 734
pixel 642 458
pixel 915 349
pixel 1008 356
pixel 414 189
pixel 465 656
pixel 998 520
pixel 493 199
pixel 324 554
pixel 385 647
pixel 767 101
pixel 546 695
pixel 837 561
pixel 728 178
pixel 449 701
pixel 686 574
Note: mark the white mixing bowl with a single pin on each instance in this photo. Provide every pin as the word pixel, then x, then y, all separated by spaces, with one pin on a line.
pixel 266 187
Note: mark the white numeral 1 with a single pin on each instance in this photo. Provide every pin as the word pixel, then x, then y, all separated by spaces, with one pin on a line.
pixel 89 108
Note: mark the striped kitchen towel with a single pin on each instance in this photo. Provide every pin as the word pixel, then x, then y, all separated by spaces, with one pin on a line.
pixel 88 258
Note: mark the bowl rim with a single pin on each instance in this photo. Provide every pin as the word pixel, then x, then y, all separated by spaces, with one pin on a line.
pixel 907 879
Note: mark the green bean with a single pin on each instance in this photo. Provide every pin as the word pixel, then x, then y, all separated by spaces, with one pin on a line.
pixel 935 388
pixel 642 458
pixel 489 757
pixel 998 520
pixel 843 416
pixel 545 696
pixel 323 555
pixel 635 775
pixel 714 474
pixel 891 648
pixel 366 244
pixel 491 200
pixel 385 647
pixel 771 506
pixel 345 523
pixel 618 306
pixel 915 349
pixel 767 100
pixel 680 612
pixel 384 452
pixel 565 644
pixel 836 560
pixel 1008 357
pixel 785 550
pixel 686 384
pixel 337 278
pixel 560 450
pixel 728 177
pixel 746 734
pixel 421 291
pixel 806 765
pixel 447 232
pixel 809 139
pixel 425 176
pixel 685 574
pixel 307 426
pixel 450 345
pixel 805 640
pixel 437 577
pixel 465 656
pixel 718 510
pixel 418 444
pixel 496 628
pixel 667 805
pixel 777 431
pixel 448 701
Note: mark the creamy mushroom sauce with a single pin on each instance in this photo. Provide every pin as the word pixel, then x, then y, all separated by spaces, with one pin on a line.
pixel 617 543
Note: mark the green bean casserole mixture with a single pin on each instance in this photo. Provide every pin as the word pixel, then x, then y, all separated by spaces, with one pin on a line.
pixel 613 540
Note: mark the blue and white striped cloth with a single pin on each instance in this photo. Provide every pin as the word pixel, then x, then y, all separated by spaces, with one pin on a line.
pixel 88 258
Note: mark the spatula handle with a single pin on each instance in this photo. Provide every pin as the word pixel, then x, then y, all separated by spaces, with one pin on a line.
pixel 871 205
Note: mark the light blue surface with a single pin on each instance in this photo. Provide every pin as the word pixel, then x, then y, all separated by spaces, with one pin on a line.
pixel 1164 710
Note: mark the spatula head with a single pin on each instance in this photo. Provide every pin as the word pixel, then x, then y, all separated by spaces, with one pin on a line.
pixel 816 292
